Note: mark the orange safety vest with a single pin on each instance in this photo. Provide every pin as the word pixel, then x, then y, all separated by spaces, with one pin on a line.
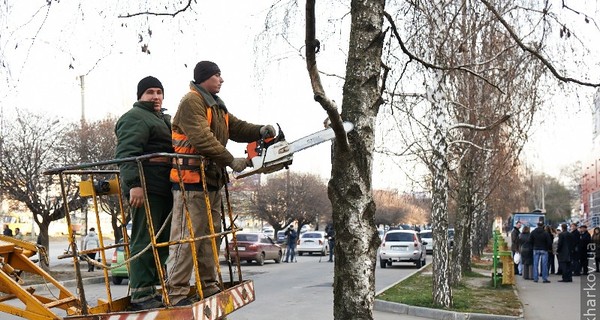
pixel 189 168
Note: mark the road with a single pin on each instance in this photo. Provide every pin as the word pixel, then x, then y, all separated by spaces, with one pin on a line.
pixel 301 290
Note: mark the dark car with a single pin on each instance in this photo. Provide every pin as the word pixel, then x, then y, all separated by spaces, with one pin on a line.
pixel 254 246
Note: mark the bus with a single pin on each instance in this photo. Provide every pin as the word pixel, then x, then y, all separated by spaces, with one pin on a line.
pixel 14 220
pixel 529 219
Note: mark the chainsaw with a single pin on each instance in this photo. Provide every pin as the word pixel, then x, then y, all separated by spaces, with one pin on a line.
pixel 268 155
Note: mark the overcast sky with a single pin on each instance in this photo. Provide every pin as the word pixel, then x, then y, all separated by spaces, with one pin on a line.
pixel 276 91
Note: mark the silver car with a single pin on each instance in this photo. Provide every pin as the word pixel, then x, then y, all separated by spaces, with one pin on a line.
pixel 402 246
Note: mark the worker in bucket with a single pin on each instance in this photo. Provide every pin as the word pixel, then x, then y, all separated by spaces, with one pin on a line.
pixel 144 129
pixel 202 126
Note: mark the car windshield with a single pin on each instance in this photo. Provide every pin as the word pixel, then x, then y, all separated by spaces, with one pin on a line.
pixel 247 237
pixel 426 235
pixel 311 235
pixel 399 236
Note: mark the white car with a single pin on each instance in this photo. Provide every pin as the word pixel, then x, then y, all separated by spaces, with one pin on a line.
pixel 427 237
pixel 313 241
pixel 402 246
pixel 269 232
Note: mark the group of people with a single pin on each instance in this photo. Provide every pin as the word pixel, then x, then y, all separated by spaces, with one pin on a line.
pixel 8 232
pixel 202 125
pixel 540 248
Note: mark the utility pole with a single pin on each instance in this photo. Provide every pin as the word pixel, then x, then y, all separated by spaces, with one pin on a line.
pixel 83 124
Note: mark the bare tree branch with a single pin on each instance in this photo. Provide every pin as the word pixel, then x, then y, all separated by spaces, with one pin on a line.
pixel 478 128
pixel 533 52
pixel 469 143
pixel 172 14
pixel 425 63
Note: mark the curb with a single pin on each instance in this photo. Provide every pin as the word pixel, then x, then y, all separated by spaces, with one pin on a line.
pixel 430 313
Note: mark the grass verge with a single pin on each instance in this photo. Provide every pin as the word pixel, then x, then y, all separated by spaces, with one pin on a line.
pixel 475 294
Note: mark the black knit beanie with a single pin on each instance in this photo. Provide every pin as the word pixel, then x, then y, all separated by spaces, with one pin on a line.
pixel 205 70
pixel 148 82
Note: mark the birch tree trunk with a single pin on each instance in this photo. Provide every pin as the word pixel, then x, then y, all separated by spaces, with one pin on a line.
pixel 442 294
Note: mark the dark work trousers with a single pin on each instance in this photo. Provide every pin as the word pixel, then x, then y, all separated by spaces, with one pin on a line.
pixel 583 260
pixel 143 275
pixel 567 272
pixel 92 256
pixel 331 246
pixel 551 267
pixel 575 264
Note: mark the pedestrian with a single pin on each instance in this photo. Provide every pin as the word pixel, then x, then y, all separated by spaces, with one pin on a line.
pixel 558 230
pixel 551 266
pixel 596 247
pixel 584 246
pixel 526 251
pixel 542 243
pixel 18 234
pixel 202 126
pixel 563 253
pixel 514 244
pixel 7 231
pixel 330 231
pixel 145 129
pixel 290 251
pixel 575 254
pixel 91 242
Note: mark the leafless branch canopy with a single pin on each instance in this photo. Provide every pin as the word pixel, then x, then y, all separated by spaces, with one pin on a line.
pixel 426 64
pixel 533 52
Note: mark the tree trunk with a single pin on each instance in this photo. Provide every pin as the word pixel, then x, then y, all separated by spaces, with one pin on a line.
pixel 442 294
pixel 44 240
pixel 350 186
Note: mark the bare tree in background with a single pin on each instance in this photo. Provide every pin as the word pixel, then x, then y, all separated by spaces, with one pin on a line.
pixel 32 144
pixel 289 197
pixel 95 141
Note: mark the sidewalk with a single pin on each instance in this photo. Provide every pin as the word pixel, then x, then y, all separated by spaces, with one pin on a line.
pixel 553 300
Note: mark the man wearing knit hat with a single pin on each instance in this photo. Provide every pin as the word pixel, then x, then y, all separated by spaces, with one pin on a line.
pixel 144 129
pixel 202 126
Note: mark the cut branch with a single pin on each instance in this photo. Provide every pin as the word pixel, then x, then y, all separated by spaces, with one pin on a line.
pixel 312 47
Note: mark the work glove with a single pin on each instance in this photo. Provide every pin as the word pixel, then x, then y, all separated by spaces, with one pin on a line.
pixel 238 164
pixel 267 131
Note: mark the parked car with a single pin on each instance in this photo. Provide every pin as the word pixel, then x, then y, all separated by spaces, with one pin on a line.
pixel 270 232
pixel 281 237
pixel 254 246
pixel 120 273
pixel 427 237
pixel 402 246
pixel 313 241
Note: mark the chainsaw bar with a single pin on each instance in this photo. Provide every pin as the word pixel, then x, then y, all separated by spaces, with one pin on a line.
pixel 278 154
pixel 317 138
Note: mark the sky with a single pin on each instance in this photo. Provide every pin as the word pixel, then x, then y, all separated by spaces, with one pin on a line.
pixel 274 91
